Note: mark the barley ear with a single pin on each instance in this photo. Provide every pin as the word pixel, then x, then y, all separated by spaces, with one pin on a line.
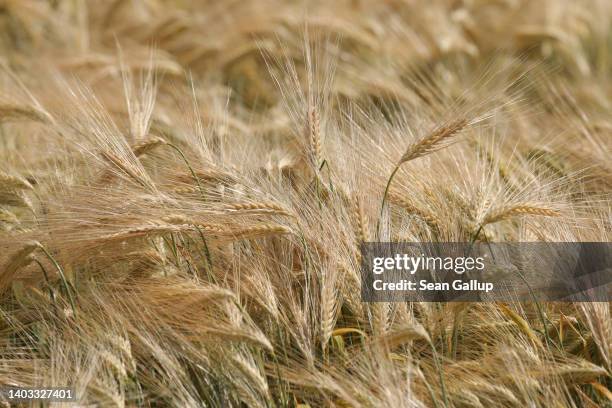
pixel 510 211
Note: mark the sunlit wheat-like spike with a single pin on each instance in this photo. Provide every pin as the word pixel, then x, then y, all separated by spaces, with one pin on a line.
pixel 431 219
pixel 146 230
pixel 114 363
pixel 329 305
pixel 147 145
pixel 403 335
pixel 178 219
pixel 433 141
pixel 248 368
pixel 313 134
pixel 237 232
pixel 210 175
pixel 581 372
pixel 9 182
pixel 16 261
pixel 515 210
pixel 260 207
pixel 436 140
pixel 361 223
pixel 498 392
pixel 261 230
pixel 597 316
pixel 13 112
pixel 8 217
pixel 186 190
pixel 522 324
pixel 379 317
pixel 116 162
pixel 15 198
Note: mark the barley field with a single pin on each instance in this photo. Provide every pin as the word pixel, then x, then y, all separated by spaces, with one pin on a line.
pixel 185 187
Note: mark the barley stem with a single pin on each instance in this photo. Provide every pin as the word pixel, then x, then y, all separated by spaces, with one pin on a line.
pixel 384 199
pixel 193 173
pixel 67 287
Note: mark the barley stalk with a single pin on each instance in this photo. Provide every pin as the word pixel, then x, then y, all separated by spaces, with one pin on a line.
pixel 360 221
pixel 260 206
pixel 510 211
pixel 313 135
pixel 8 217
pixel 115 161
pixel 429 144
pixel 186 190
pixel 18 260
pixel 261 230
pixel 14 112
pixel 522 324
pixel 434 141
pixel 329 305
pixel 10 182
pixel 248 368
pixel 430 218
pixel 147 145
